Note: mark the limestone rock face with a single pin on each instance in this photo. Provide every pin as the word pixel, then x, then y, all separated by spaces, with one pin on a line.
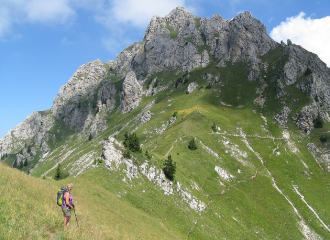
pixel 282 117
pixel 182 40
pixel 305 118
pixel 132 93
pixel 302 63
pixel 112 156
pixel 72 104
pixel 34 126
pixel 107 97
pixel 191 87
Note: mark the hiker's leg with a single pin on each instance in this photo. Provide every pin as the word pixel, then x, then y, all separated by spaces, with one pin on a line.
pixel 64 222
pixel 68 222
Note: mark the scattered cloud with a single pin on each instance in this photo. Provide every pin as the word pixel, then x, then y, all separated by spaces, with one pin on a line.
pixel 140 12
pixel 5 23
pixel 49 11
pixel 45 11
pixel 312 34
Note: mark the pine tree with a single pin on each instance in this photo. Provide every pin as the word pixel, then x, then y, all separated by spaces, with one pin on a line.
pixel 20 165
pixel 192 144
pixel 25 163
pixel 58 173
pixel 127 154
pixel 126 140
pixel 318 122
pixel 169 168
pixel 15 164
pixel 90 137
pixel 132 142
pixel 214 127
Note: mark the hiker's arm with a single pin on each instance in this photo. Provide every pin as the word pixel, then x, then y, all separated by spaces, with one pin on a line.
pixel 67 200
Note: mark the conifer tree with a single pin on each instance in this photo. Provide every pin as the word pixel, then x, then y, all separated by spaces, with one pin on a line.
pixel 169 168
pixel 15 164
pixel 192 144
pixel 318 122
pixel 214 127
pixel 58 172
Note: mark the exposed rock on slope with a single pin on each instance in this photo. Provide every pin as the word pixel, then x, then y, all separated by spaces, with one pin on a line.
pixel 35 126
pixel 183 40
pixel 69 104
pixel 132 93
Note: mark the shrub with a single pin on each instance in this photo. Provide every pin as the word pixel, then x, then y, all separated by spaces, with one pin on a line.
pixel 308 71
pixel 127 154
pixel 169 168
pixel 90 137
pixel 324 138
pixel 148 155
pixel 316 98
pixel 209 86
pixel 59 174
pixel 131 142
pixel 192 144
pixel 318 122
pixel 214 127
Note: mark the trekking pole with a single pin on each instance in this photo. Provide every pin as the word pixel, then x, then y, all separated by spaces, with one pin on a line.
pixel 76 217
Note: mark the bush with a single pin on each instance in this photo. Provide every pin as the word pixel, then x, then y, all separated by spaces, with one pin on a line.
pixel 169 168
pixel 318 122
pixel 192 144
pixel 308 71
pixel 90 137
pixel 131 142
pixel 127 154
pixel 209 86
pixel 148 155
pixel 214 127
pixel 324 138
pixel 59 174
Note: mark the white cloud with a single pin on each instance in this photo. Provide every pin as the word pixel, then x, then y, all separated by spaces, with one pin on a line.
pixel 312 34
pixel 4 21
pixel 44 11
pixel 57 11
pixel 140 12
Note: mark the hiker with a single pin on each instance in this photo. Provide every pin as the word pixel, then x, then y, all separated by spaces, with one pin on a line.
pixel 67 205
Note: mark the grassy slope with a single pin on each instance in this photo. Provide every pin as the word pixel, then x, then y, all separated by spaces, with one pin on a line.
pixel 247 206
pixel 28 210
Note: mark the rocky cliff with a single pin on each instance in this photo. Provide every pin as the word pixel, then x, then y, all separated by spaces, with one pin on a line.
pixel 182 40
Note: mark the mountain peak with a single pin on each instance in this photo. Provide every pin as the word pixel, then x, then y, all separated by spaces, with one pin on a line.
pixel 179 12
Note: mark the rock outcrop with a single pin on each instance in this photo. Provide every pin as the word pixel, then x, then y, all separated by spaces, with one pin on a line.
pixel 182 40
pixel 132 93
pixel 32 131
pixel 191 87
pixel 75 100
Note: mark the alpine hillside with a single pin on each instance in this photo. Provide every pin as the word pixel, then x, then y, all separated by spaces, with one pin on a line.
pixel 254 113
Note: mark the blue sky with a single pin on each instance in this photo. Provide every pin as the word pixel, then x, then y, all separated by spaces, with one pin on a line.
pixel 43 42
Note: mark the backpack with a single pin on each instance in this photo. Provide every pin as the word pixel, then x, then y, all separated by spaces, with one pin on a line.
pixel 60 194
